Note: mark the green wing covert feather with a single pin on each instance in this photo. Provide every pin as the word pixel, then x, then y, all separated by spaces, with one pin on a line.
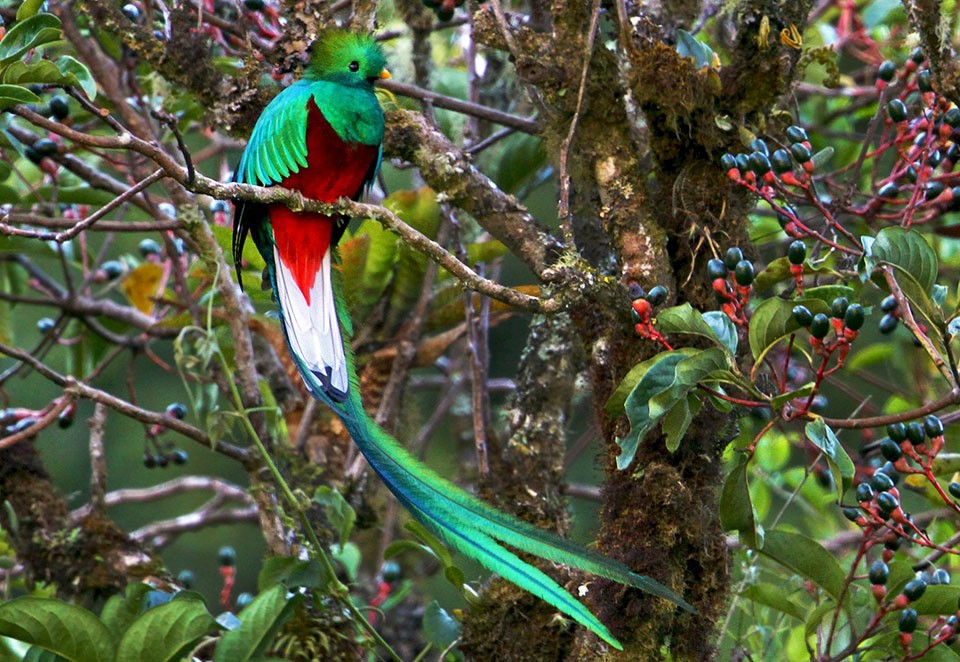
pixel 278 144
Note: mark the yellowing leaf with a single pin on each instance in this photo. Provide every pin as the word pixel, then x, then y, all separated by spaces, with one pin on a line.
pixel 141 285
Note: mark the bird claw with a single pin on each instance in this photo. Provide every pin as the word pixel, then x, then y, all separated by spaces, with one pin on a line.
pixel 297 202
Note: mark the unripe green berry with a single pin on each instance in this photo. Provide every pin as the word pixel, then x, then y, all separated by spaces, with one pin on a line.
pixel 897 110
pixel 888 324
pixel 854 317
pixel 796 134
pixel 886 71
pixel 933 426
pixel 227 556
pixel 802 316
pixel 890 450
pixel 839 307
pixel 657 295
pixel 915 432
pixel 914 590
pixel 732 258
pixel 908 621
pixel 889 190
pixel 879 573
pixel 781 161
pixel 820 326
pixel 897 432
pixel 716 269
pixel 797 252
pixel 881 482
pixel 887 503
pixel 800 152
pixel 744 273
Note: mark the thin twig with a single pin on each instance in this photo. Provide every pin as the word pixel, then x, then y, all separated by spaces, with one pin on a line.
pixel 524 124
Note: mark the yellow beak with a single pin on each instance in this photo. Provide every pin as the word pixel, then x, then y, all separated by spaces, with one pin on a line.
pixel 385 75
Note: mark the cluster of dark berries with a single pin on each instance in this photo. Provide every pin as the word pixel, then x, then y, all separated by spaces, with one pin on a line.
pixel 643 305
pixel 162 457
pixel 443 8
pixel 845 319
pixel 879 574
pixel 933 126
pixel 763 168
pixel 914 441
pixel 732 281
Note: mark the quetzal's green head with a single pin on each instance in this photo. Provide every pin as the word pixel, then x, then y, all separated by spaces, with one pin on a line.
pixel 346 58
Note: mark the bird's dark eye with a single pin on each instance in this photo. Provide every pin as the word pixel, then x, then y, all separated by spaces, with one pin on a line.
pixel 354 66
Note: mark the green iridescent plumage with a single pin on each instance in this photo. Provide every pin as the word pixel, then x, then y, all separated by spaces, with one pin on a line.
pixel 339 81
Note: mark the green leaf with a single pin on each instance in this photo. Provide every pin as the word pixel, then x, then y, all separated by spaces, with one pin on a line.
pixel 250 254
pixel 778 271
pixel 11 95
pixel 62 628
pixel 678 419
pixel 736 509
pixel 291 572
pixel 71 68
pixel 773 321
pixel 616 402
pixel 340 514
pixel 802 392
pixel 28 9
pixel 260 622
pixel 30 33
pixel 807 558
pixel 120 611
pixel 841 466
pixel 166 633
pixel 774 597
pixel 670 377
pixel 938 600
pixel 715 326
pixel 906 249
pixel 440 629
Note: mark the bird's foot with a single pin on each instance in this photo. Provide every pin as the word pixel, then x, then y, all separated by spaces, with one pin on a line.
pixel 297 202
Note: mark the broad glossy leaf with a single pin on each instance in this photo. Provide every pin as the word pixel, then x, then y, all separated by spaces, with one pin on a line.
pixel 291 572
pixel 807 558
pixel 841 466
pixel 778 271
pixel 908 250
pixel 30 33
pixel 736 509
pixel 70 67
pixel 65 629
pixel 773 320
pixel 660 377
pixel 938 600
pixel 775 598
pixel 678 419
pixel 28 8
pixel 714 326
pixel 11 95
pixel 260 622
pixel 122 610
pixel 166 633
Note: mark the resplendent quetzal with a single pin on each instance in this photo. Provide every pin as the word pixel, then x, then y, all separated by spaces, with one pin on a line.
pixel 322 136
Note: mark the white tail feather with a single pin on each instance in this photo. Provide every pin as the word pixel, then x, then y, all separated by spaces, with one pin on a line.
pixel 313 331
